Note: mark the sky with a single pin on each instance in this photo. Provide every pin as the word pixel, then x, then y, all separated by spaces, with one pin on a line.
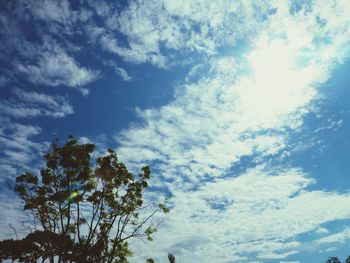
pixel 240 108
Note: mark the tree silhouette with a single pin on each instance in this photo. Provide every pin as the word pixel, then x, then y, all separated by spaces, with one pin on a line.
pixel 171 258
pixel 82 214
pixel 336 260
pixel 333 260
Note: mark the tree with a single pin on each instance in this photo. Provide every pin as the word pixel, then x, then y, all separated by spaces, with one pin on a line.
pixel 82 214
pixel 336 260
pixel 171 258
pixel 333 260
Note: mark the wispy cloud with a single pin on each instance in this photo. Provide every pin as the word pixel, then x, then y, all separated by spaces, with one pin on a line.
pixel 54 67
pixel 220 146
pixel 118 70
pixel 260 213
pixel 33 104
pixel 14 218
pixel 43 59
pixel 339 237
pixel 153 29
pixel 19 151
pixel 243 109
pixel 60 14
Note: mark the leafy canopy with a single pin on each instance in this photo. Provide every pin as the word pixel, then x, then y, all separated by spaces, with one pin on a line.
pixel 81 213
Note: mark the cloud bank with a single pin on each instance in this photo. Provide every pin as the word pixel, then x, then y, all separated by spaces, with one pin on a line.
pixel 245 108
pixel 221 146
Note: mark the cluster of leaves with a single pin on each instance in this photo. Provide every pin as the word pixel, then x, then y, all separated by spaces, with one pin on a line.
pixel 82 214
pixel 337 260
pixel 171 258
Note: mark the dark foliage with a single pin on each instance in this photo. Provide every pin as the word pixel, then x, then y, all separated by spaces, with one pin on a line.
pixel 171 258
pixel 337 260
pixel 82 214
pixel 333 260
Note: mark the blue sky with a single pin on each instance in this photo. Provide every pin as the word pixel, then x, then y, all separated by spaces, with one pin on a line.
pixel 240 108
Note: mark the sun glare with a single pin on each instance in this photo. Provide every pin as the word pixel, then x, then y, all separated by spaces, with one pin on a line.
pixel 278 86
pixel 272 64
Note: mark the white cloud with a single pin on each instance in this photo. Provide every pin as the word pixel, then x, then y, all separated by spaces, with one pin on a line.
pixel 330 249
pixel 101 144
pixel 14 216
pixel 123 74
pixel 19 151
pixel 339 237
pixel 321 230
pixel 33 104
pixel 58 17
pixel 136 54
pixel 241 109
pixel 120 71
pixel 277 256
pixel 155 28
pixel 59 12
pixel 45 58
pixel 215 121
pixel 54 67
pixel 260 212
pixel 20 157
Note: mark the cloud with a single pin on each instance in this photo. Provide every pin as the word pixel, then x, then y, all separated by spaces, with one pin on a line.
pixel 15 138
pixel 330 249
pixel 20 151
pixel 14 216
pixel 3 81
pixel 54 67
pixel 33 104
pixel 206 146
pixel 120 71
pixel 321 230
pixel 135 54
pixel 339 237
pixel 58 18
pixel 277 256
pixel 43 56
pixel 101 144
pixel 218 120
pixel 157 30
pixel 220 146
pixel 57 12
pixel 257 213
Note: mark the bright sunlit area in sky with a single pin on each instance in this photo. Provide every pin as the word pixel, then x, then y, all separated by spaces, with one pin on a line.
pixel 240 108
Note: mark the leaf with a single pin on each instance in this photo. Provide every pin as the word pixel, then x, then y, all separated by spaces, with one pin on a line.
pixel 74 196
